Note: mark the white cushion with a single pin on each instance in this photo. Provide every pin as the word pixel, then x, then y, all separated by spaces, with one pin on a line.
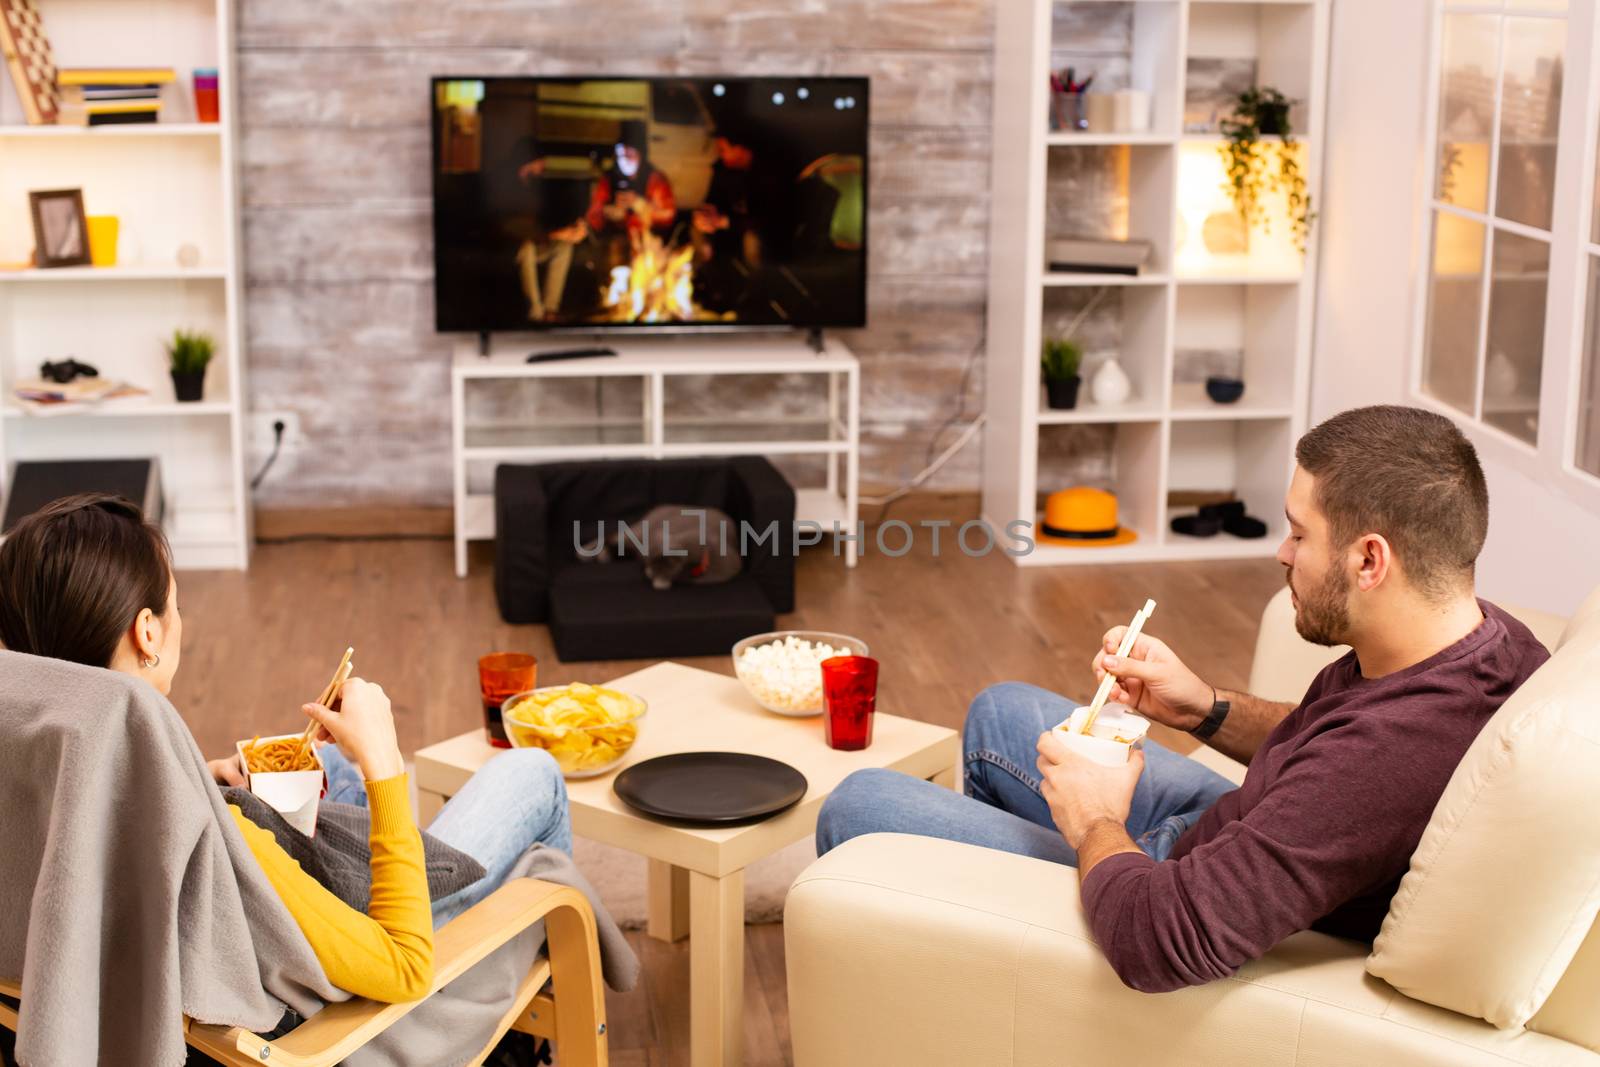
pixel 1505 884
pixel 912 950
pixel 1587 612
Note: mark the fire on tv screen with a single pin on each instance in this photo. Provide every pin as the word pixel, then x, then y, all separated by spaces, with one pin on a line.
pixel 619 202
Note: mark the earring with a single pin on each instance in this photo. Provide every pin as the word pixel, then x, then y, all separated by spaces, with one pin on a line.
pixel 153 662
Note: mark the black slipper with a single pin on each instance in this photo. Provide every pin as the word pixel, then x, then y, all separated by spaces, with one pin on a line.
pixel 1230 509
pixel 1245 526
pixel 1197 525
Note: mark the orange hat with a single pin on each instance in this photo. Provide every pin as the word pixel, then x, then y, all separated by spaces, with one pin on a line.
pixel 1082 517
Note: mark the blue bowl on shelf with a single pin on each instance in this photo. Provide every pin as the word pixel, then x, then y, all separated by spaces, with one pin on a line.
pixel 1224 390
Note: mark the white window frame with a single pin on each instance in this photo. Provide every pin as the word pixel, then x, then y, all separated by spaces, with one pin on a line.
pixel 1552 462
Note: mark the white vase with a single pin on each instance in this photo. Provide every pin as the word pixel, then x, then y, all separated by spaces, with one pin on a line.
pixel 1500 377
pixel 1111 386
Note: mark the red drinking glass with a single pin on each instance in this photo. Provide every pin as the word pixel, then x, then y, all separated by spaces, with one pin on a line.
pixel 502 675
pixel 207 104
pixel 849 696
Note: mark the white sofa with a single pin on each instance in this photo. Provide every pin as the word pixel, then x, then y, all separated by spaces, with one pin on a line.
pixel 909 950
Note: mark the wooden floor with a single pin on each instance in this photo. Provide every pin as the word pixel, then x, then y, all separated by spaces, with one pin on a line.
pixel 259 644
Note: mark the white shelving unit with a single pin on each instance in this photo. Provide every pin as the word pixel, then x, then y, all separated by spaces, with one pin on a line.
pixel 656 433
pixel 170 184
pixel 1258 303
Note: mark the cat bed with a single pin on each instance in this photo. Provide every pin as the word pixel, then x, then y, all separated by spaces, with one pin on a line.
pixel 608 611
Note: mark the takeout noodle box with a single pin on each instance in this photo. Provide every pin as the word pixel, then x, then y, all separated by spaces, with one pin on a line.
pixel 292 794
pixel 1116 731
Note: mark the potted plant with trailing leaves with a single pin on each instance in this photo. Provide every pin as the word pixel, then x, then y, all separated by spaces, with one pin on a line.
pixel 188 354
pixel 1060 360
pixel 1258 112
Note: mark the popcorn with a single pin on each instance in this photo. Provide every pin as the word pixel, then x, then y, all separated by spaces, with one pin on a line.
pixel 786 675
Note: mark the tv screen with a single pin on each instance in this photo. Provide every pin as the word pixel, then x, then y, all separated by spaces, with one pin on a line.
pixel 596 203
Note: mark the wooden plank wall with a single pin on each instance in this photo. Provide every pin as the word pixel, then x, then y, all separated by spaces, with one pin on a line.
pixel 338 251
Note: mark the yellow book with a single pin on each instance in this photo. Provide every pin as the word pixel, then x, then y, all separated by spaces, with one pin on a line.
pixel 113 107
pixel 116 76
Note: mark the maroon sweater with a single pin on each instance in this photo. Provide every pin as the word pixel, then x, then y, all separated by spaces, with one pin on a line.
pixel 1318 836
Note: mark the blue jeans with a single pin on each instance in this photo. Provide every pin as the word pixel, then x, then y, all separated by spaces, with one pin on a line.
pixel 515 801
pixel 1003 808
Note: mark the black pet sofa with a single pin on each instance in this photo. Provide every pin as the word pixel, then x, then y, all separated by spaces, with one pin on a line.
pixel 606 611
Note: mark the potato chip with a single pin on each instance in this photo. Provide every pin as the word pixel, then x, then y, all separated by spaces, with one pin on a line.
pixel 583 726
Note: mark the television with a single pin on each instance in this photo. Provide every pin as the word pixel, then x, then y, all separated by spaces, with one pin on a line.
pixel 600 203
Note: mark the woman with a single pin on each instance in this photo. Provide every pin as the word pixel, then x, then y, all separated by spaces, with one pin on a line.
pixel 87 579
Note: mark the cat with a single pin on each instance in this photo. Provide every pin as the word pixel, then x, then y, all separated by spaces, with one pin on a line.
pixel 679 544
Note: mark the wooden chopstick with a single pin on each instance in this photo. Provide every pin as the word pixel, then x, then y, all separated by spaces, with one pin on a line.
pixel 341 674
pixel 1122 650
pixel 333 683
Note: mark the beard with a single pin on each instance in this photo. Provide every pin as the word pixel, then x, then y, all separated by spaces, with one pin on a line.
pixel 1322 615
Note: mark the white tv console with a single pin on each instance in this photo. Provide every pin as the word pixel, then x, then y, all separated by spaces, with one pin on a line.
pixel 834 433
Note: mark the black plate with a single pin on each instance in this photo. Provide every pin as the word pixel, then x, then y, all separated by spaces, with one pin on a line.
pixel 710 787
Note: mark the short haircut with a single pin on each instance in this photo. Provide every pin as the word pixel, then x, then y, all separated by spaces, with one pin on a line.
pixel 75 575
pixel 633 134
pixel 1409 475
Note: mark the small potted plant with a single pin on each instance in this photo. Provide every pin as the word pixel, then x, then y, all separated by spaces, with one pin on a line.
pixel 1060 360
pixel 1262 111
pixel 188 353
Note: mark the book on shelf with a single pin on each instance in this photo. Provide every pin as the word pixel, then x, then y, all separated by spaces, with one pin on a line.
pixel 123 118
pixel 103 76
pixel 109 113
pixel 36 396
pixel 88 94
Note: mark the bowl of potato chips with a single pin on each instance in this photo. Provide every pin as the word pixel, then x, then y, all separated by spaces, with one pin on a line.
pixel 587 728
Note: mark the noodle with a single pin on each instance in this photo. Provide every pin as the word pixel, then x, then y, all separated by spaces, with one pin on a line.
pixel 279 754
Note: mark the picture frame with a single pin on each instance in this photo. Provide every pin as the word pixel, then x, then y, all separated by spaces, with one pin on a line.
pixel 60 228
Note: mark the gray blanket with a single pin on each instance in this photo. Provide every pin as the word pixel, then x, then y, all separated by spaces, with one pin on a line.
pixel 128 897
pixel 459 1020
pixel 339 857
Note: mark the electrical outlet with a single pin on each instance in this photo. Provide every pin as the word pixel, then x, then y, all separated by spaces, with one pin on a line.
pixel 262 435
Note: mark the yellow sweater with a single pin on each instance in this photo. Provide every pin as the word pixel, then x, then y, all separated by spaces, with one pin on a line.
pixel 386 954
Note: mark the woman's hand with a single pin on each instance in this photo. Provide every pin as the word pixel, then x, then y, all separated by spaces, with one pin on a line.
pixel 363 727
pixel 1153 681
pixel 227 771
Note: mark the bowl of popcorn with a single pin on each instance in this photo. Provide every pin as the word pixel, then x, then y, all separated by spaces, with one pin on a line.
pixel 783 670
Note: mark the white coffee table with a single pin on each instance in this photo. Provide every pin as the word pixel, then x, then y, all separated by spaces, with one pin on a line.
pixel 697 874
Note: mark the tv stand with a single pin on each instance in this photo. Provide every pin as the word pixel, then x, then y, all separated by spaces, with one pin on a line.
pixel 655 430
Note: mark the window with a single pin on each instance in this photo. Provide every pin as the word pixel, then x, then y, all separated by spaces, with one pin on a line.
pixel 1499 110
pixel 1508 337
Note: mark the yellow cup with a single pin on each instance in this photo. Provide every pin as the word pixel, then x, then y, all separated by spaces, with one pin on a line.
pixel 103 240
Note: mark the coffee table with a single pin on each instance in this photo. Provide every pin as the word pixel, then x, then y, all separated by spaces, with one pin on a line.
pixel 696 874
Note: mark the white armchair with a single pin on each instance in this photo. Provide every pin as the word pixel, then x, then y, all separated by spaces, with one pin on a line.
pixel 910 950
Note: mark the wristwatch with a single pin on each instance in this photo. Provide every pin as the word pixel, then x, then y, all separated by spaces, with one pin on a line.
pixel 1212 722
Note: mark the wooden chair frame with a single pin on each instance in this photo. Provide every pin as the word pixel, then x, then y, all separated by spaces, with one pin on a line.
pixel 572 1013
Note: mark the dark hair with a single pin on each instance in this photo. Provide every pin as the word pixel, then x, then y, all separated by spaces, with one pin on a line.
pixel 75 575
pixel 632 133
pixel 1410 475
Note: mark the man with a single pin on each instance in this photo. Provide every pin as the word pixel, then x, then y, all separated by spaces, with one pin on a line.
pixel 1184 877
pixel 553 230
pixel 614 204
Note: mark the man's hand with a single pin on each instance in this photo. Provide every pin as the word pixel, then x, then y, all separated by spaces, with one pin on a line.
pixel 1081 792
pixel 1153 681
pixel 571 234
